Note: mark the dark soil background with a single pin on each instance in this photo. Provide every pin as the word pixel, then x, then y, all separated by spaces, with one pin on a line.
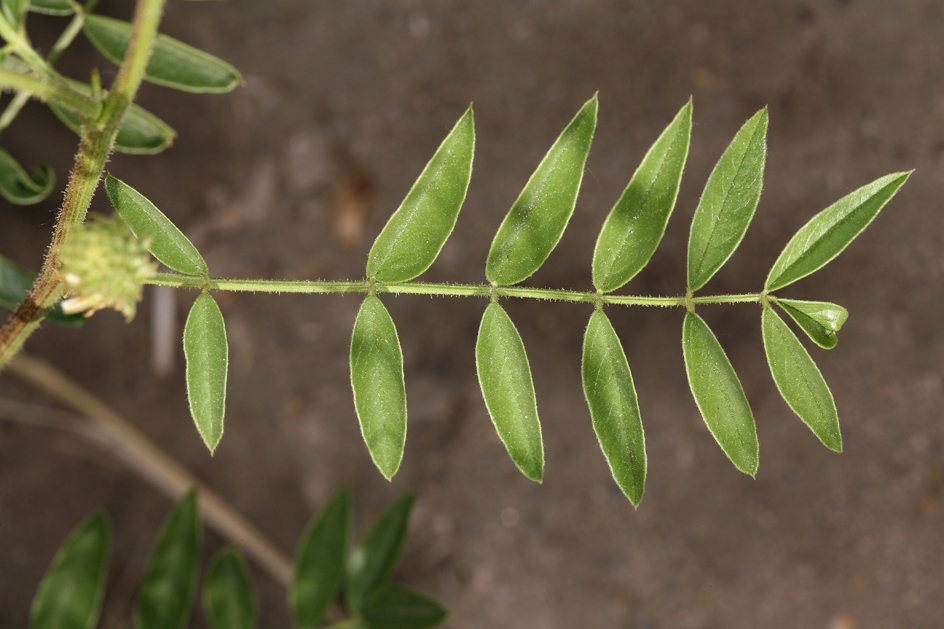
pixel 294 174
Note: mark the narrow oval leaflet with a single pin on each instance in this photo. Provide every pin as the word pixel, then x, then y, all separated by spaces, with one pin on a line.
pixel 168 244
pixel 15 11
pixel 611 395
pixel 393 606
pixel 140 133
pixel 320 562
pixel 637 222
pixel 536 221
pixel 728 202
pixel 376 557
pixel 52 7
pixel 799 380
pixel 167 591
pixel 71 592
pixel 829 232
pixel 417 231
pixel 229 598
pixel 505 379
pixel 819 319
pixel 20 187
pixel 172 64
pixel 377 381
pixel 207 356
pixel 719 395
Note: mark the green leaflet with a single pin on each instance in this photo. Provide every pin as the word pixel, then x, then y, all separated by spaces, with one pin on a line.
pixel 172 64
pixel 70 594
pixel 728 202
pixel 417 231
pixel 376 557
pixel 393 606
pixel 799 380
pixel 170 578
pixel 829 232
pixel 168 243
pixel 719 395
pixel 19 187
pixel 207 358
pixel 636 223
pixel 819 319
pixel 229 598
pixel 320 562
pixel 505 378
pixel 377 380
pixel 608 387
pixel 140 133
pixel 15 284
pixel 535 222
pixel 14 10
pixel 51 7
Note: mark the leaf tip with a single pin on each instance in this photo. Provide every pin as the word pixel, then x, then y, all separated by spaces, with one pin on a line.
pixel 834 444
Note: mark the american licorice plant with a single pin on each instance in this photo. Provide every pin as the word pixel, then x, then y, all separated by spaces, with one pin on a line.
pixel 101 263
pixel 414 235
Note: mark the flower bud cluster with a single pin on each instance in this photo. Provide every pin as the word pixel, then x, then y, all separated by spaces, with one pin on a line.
pixel 104 266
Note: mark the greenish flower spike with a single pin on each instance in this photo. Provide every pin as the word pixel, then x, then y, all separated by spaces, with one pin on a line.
pixel 104 266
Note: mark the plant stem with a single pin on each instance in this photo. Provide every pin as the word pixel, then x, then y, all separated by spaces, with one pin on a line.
pixel 59 94
pixel 424 288
pixel 96 144
pixel 61 44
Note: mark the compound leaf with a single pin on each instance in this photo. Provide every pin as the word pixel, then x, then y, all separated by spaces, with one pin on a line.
pixel 393 606
pixel 611 395
pixel 15 284
pixel 376 557
pixel 172 64
pixel 728 202
pixel 320 562
pixel 168 244
pixel 719 395
pixel 829 232
pixel 505 378
pixel 70 594
pixel 170 578
pixel 799 380
pixel 207 357
pixel 417 231
pixel 637 222
pixel 19 187
pixel 379 389
pixel 820 320
pixel 535 222
pixel 229 598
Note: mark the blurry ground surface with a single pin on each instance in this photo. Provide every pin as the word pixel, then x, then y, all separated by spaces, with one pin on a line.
pixel 343 104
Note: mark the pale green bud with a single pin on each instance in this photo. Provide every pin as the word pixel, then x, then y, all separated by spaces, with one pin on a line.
pixel 104 266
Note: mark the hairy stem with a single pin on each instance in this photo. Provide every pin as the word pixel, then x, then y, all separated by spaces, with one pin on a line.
pixel 59 94
pixel 425 288
pixel 98 138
